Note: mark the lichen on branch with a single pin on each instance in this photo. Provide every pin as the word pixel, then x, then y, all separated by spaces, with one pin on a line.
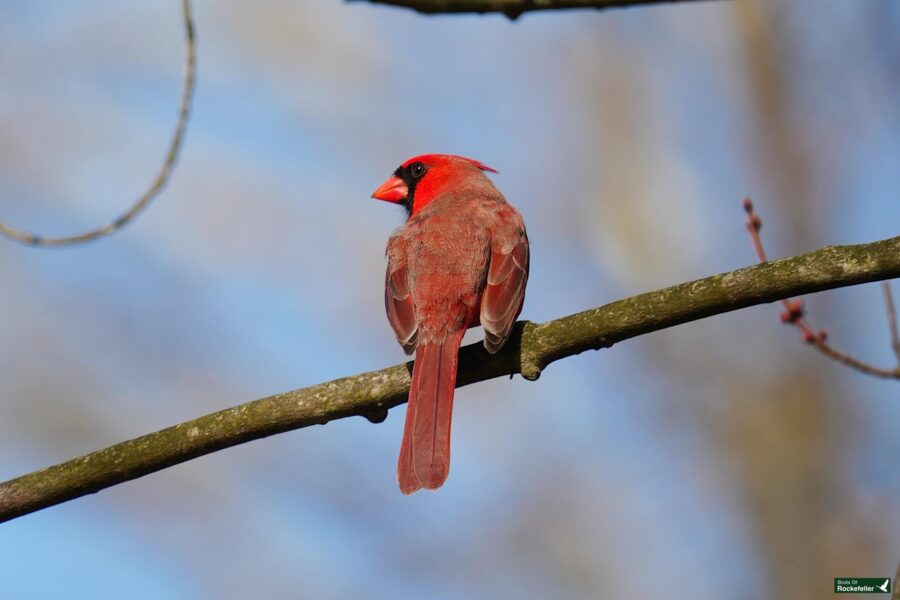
pixel 531 348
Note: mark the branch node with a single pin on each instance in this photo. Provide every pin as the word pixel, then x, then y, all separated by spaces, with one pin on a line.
pixel 793 313
pixel 531 371
pixel 375 415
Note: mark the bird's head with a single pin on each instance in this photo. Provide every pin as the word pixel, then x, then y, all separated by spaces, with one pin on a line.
pixel 421 179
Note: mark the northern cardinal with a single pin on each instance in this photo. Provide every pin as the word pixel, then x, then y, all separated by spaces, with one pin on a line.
pixel 460 260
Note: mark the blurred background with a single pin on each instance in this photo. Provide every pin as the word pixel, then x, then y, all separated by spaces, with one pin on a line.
pixel 721 458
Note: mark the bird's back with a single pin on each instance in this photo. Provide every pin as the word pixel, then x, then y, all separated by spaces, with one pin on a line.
pixel 447 253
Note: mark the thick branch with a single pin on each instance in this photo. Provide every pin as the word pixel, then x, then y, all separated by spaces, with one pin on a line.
pixel 511 8
pixel 531 348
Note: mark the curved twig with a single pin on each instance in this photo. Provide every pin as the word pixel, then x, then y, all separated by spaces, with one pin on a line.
pixel 162 177
pixel 795 314
pixel 892 320
pixel 530 349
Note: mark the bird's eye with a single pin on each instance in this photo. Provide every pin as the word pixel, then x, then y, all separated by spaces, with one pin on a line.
pixel 417 170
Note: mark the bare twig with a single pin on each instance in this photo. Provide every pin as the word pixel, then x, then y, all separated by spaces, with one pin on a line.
pixel 162 177
pixel 511 8
pixel 794 314
pixel 896 586
pixel 892 319
pixel 531 348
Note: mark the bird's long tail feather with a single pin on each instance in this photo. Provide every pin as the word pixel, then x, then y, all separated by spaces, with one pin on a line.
pixel 425 449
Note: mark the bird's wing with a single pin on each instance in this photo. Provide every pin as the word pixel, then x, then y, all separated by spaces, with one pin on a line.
pixel 398 301
pixel 507 275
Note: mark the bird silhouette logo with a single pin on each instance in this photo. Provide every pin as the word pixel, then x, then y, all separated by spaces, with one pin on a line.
pixel 884 586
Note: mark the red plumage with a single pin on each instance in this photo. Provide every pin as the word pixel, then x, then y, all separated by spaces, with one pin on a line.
pixel 460 260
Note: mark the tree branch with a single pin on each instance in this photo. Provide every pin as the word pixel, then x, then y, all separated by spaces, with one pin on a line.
pixel 510 8
pixel 896 586
pixel 530 349
pixel 795 314
pixel 162 176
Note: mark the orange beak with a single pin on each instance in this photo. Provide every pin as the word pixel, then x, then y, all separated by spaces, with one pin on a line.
pixel 392 190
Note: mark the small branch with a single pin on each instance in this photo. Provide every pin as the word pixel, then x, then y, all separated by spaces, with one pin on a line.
pixel 511 8
pixel 896 586
pixel 530 349
pixel 794 314
pixel 892 319
pixel 162 177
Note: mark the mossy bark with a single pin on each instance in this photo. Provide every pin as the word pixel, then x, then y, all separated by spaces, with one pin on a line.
pixel 530 349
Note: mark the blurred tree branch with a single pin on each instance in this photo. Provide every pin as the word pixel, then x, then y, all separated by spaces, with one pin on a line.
pixel 896 586
pixel 530 349
pixel 163 174
pixel 512 8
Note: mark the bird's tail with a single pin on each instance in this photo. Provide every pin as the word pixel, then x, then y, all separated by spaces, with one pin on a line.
pixel 425 449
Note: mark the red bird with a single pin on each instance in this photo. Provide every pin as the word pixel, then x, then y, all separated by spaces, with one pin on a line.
pixel 460 260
